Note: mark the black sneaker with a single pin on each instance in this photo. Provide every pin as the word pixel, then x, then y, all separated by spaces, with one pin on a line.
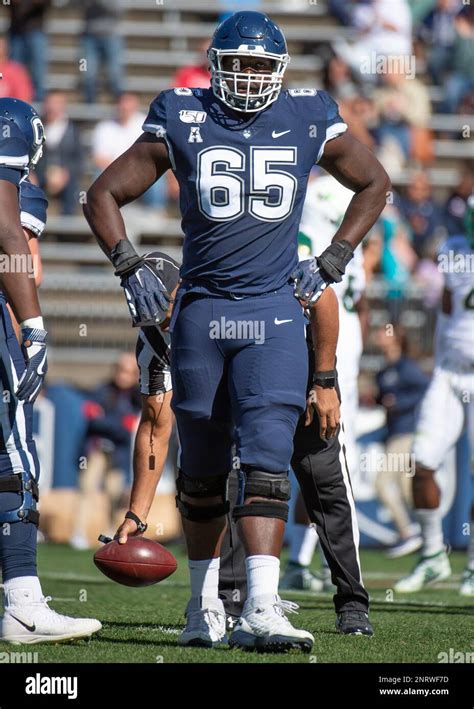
pixel 353 623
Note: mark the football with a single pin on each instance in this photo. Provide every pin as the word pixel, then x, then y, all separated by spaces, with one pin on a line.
pixel 139 562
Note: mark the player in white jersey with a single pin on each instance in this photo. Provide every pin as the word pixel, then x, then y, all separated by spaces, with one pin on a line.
pixel 448 407
pixel 325 205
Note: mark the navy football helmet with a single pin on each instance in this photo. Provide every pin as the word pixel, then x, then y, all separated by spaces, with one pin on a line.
pixel 248 34
pixel 29 123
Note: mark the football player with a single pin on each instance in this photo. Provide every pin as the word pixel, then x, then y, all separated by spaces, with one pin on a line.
pixel 241 152
pixel 326 203
pixel 447 408
pixel 317 459
pixel 27 617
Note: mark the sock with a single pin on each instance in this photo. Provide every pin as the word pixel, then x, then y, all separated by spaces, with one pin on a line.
pixel 263 575
pixel 470 549
pixel 303 543
pixel 431 531
pixel 204 576
pixel 29 583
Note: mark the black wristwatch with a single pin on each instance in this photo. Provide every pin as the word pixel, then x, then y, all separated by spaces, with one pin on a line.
pixel 141 526
pixel 326 380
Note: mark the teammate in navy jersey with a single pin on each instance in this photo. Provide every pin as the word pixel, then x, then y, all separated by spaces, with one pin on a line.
pixel 241 152
pixel 27 618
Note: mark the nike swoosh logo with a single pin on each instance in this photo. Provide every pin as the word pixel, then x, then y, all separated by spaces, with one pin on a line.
pixel 280 322
pixel 278 135
pixel 31 628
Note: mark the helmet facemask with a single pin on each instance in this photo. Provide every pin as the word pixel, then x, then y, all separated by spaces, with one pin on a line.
pixel 257 90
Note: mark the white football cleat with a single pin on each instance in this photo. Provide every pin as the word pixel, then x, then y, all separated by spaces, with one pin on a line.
pixel 429 570
pixel 467 583
pixel 29 622
pixel 263 626
pixel 205 623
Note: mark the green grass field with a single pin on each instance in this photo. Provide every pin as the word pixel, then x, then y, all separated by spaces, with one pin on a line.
pixel 142 625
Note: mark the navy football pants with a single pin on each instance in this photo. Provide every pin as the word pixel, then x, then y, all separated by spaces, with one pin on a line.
pixel 241 362
pixel 17 453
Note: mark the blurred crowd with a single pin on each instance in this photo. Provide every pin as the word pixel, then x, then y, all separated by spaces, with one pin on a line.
pixel 406 61
pixel 387 106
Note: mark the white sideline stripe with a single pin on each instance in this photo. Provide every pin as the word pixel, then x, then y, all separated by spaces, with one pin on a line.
pixel 71 577
pixel 405 602
pixel 350 498
pixel 98 579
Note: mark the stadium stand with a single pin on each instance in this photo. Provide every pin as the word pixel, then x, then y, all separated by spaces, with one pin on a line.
pixel 159 38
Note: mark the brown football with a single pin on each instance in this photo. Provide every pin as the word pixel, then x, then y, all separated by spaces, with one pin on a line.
pixel 139 562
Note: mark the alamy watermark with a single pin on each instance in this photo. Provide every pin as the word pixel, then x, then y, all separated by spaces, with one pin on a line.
pixel 453 262
pixel 19 263
pixel 456 657
pixel 224 329
pixel 375 63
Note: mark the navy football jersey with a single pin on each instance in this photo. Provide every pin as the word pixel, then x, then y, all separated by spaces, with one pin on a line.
pixel 33 207
pixel 242 182
pixel 14 156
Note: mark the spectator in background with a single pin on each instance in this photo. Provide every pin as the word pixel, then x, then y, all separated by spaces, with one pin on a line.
pixel 60 170
pixel 102 44
pixel 455 207
pixel 16 81
pixel 404 109
pixel 195 76
pixel 112 411
pixel 430 278
pixel 113 137
pixel 420 211
pixel 355 104
pixel 338 79
pixel 28 43
pixel 401 386
pixel 461 81
pixel 385 28
pixel 397 259
pixel 438 32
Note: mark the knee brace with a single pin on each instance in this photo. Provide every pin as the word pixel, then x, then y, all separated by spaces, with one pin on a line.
pixel 200 488
pixel 260 483
pixel 24 484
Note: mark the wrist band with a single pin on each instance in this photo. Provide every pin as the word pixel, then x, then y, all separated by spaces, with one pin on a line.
pixel 141 526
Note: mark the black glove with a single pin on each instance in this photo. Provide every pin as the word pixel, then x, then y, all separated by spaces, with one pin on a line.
pixel 334 259
pixel 147 298
pixel 34 350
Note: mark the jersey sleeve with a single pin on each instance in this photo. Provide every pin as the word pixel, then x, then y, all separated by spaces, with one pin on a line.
pixel 14 157
pixel 156 122
pixel 334 123
pixel 33 207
